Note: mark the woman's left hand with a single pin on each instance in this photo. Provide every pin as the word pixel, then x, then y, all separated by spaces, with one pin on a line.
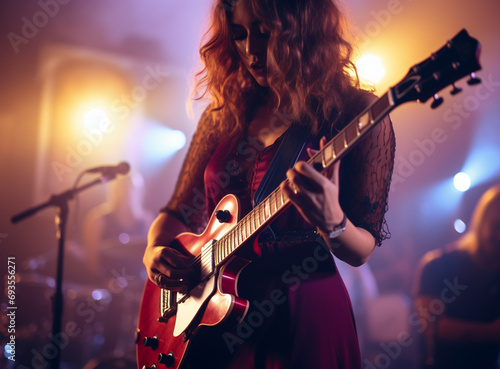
pixel 315 195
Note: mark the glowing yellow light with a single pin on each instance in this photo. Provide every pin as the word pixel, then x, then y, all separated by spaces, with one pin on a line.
pixel 94 119
pixel 370 68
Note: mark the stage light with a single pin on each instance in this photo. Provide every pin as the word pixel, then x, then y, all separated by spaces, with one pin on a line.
pixel 94 119
pixel 370 68
pixel 7 350
pixel 97 295
pixel 161 142
pixel 460 226
pixel 124 238
pixel 461 181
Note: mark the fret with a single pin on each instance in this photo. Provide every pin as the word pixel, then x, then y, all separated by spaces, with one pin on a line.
pixel 246 231
pixel 250 223
pixel 225 249
pixel 267 209
pixel 323 159
pixel 275 201
pixel 351 133
pixel 238 234
pixel 236 237
pixel 380 107
pixel 262 215
pixel 329 152
pixel 252 215
pixel 338 145
pixel 364 120
pixel 216 251
pixel 231 243
pixel 241 230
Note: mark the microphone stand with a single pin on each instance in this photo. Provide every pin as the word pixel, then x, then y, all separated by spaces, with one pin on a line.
pixel 60 201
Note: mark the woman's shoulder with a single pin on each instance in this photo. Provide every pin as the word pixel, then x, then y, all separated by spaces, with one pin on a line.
pixel 358 99
pixel 354 101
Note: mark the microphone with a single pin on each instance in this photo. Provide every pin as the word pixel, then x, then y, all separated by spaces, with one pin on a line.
pixel 120 168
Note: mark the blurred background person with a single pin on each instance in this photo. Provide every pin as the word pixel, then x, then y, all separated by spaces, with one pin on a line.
pixel 458 295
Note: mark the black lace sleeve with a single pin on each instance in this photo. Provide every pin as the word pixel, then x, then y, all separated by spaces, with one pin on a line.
pixel 188 202
pixel 365 175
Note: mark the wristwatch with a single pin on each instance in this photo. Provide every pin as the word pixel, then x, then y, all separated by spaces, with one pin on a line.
pixel 337 231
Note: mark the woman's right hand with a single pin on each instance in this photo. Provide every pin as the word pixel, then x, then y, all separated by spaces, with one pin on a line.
pixel 167 267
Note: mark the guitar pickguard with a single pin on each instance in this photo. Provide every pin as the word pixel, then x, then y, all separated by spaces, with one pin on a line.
pixel 188 306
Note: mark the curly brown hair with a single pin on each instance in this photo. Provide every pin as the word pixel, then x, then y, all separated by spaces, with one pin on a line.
pixel 309 66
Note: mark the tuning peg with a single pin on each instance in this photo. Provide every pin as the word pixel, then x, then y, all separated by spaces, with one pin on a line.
pixel 437 101
pixel 456 89
pixel 473 80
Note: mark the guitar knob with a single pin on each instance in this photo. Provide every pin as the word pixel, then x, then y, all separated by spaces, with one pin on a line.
pixel 473 80
pixel 151 342
pixel 455 90
pixel 167 359
pixel 437 101
pixel 149 367
pixel 223 216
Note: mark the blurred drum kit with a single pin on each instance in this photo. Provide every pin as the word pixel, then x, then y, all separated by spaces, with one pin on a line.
pixel 99 314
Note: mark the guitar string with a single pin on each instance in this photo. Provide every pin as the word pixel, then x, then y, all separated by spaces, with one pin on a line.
pixel 259 209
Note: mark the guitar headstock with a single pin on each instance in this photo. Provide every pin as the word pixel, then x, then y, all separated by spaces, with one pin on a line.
pixel 457 59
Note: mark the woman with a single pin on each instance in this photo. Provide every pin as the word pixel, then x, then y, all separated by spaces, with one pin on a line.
pixel 271 65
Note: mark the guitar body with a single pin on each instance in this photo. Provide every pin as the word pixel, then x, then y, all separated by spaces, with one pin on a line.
pixel 169 322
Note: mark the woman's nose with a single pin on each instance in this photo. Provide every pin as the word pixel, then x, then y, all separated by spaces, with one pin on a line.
pixel 253 45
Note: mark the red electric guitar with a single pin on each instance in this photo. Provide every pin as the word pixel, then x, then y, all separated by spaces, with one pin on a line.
pixel 169 322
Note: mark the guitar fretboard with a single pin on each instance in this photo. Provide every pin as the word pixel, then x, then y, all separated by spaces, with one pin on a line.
pixel 273 204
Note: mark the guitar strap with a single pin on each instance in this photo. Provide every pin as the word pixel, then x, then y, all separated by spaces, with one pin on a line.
pixel 285 158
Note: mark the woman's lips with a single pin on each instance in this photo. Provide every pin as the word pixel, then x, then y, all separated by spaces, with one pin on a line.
pixel 258 68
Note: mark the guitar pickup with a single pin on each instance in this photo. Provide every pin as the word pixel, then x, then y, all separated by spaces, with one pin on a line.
pixel 168 305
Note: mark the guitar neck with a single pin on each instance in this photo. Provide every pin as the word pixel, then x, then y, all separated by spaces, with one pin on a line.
pixel 260 217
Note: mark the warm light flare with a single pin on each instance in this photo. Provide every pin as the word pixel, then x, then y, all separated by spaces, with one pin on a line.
pixel 94 119
pixel 370 68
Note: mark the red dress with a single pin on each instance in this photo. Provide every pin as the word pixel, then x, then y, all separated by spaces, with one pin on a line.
pixel 300 314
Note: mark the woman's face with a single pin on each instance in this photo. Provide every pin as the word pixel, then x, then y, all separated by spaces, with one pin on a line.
pixel 250 39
